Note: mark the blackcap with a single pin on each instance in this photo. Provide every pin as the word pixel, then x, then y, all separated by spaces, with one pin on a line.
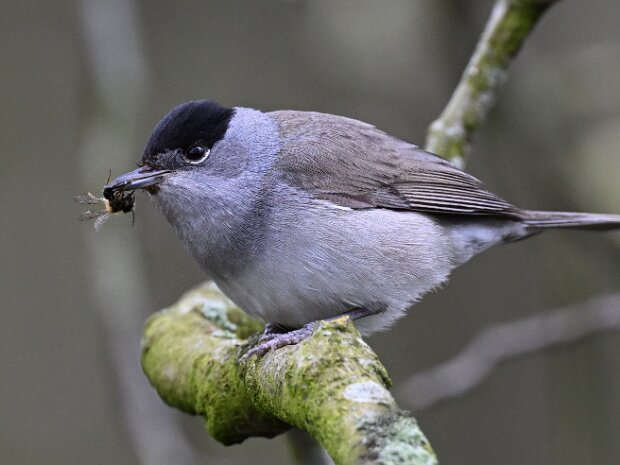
pixel 301 216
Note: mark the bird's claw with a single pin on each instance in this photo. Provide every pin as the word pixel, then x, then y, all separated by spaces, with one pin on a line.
pixel 271 340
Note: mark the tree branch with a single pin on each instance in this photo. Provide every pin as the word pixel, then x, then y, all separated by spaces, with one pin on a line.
pixel 331 385
pixel 510 23
pixel 501 342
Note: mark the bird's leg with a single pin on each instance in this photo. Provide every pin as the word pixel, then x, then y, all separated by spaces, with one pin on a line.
pixel 272 330
pixel 274 340
pixel 276 336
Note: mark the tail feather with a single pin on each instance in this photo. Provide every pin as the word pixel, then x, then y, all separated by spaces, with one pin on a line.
pixel 593 221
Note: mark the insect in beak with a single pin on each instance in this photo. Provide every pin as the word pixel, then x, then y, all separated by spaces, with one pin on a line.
pixel 114 201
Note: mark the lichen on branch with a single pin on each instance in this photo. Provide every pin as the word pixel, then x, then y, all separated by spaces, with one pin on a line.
pixel 331 385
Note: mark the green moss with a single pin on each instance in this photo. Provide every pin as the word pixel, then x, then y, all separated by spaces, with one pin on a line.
pixel 322 390
pixel 222 398
pixel 170 345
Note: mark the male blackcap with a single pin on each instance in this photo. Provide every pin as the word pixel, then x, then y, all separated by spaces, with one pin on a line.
pixel 301 216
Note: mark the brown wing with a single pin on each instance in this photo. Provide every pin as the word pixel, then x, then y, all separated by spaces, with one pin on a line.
pixel 353 164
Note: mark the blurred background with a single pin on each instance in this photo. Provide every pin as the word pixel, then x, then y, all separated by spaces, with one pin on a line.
pixel 82 83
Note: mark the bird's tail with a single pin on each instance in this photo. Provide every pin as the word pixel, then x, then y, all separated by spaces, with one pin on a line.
pixel 594 221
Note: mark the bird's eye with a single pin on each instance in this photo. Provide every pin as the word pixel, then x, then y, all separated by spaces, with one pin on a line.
pixel 196 154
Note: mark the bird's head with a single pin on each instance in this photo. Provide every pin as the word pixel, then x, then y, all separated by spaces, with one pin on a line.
pixel 182 150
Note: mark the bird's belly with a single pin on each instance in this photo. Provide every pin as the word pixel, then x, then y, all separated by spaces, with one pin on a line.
pixel 378 259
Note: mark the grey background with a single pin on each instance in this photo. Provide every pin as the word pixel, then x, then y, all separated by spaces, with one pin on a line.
pixel 83 82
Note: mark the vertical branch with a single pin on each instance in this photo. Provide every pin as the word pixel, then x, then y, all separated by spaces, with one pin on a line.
pixel 510 23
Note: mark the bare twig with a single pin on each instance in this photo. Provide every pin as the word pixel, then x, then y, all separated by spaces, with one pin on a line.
pixel 505 341
pixel 510 23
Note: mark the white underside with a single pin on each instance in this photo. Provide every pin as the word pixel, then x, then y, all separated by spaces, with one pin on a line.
pixel 333 260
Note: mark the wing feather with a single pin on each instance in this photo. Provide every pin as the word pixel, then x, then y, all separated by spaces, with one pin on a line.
pixel 355 165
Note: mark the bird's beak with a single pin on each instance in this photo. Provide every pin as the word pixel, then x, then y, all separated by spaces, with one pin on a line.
pixel 137 179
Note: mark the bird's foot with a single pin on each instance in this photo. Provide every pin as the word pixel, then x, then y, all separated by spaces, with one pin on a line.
pixel 272 330
pixel 273 338
pixel 276 336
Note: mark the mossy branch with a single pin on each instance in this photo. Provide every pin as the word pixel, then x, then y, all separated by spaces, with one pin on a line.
pixel 510 23
pixel 331 385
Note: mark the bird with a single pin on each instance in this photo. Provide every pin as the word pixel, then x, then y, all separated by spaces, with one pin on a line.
pixel 300 216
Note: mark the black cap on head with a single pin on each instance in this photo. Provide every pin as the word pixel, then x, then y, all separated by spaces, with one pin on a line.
pixel 202 122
